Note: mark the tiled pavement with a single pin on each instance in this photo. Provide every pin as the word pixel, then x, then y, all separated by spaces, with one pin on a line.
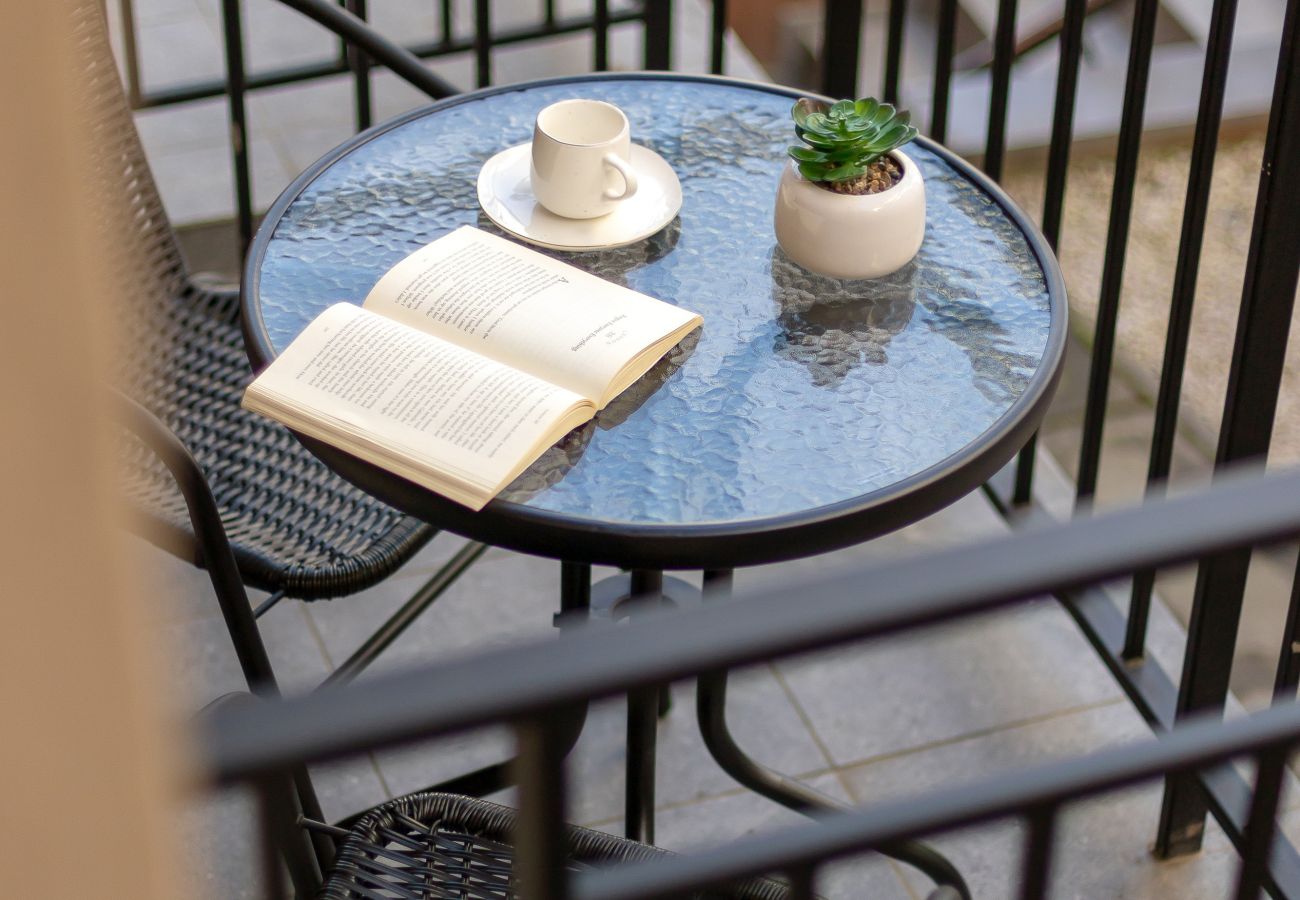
pixel 871 722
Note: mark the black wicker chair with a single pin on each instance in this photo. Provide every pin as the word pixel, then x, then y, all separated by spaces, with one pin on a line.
pixel 441 845
pixel 293 528
pixel 255 508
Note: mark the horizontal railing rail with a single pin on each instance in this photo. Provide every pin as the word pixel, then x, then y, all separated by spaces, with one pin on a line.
pixel 528 685
pixel 1242 510
pixel 1023 793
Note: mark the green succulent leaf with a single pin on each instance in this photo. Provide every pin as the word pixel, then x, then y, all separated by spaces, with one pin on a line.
pixel 812 171
pixel 825 142
pixel 845 138
pixel 805 107
pixel 803 154
pixel 844 172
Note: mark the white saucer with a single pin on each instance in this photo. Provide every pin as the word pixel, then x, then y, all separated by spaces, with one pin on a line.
pixel 506 196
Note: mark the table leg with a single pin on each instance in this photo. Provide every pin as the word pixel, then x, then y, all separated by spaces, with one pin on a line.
pixel 711 712
pixel 642 726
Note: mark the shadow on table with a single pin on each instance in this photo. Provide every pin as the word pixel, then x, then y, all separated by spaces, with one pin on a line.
pixel 615 263
pixel 831 325
pixel 557 460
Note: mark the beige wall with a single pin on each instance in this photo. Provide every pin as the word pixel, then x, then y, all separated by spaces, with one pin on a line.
pixel 756 23
pixel 82 759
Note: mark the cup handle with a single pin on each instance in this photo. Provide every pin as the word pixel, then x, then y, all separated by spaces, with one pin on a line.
pixel 629 177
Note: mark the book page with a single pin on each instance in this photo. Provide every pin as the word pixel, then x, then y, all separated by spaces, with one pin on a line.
pixel 372 381
pixel 529 311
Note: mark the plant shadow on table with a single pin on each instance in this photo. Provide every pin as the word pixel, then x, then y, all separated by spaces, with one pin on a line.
pixel 831 325
pixel 613 265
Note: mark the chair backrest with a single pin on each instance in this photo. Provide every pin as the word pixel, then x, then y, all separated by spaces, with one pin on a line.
pixel 148 244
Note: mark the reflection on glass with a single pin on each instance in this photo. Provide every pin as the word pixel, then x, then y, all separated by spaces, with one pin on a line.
pixel 552 465
pixel 549 468
pixel 621 407
pixel 832 326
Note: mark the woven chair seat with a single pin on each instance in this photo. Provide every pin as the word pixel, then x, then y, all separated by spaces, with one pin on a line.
pixel 293 524
pixel 442 845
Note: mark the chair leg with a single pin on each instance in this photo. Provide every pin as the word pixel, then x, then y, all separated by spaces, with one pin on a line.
pixel 256 663
pixel 219 560
pixel 279 812
pixel 399 621
pixel 642 728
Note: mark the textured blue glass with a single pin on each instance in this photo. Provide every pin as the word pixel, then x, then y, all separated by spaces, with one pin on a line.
pixel 801 391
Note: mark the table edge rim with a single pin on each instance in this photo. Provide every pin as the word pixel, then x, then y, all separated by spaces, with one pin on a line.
pixel 536 530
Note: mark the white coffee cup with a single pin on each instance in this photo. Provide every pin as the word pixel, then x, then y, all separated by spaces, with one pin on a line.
pixel 580 158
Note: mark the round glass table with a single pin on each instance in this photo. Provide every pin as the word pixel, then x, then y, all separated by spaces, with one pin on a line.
pixel 808 414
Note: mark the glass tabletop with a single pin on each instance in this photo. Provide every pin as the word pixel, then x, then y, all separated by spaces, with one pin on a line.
pixel 801 392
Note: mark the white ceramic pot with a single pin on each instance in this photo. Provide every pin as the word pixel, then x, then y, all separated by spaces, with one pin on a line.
pixel 851 236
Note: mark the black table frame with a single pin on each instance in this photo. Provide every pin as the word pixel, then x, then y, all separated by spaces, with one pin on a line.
pixel 717 548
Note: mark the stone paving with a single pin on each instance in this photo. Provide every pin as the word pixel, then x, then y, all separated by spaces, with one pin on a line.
pixel 948 704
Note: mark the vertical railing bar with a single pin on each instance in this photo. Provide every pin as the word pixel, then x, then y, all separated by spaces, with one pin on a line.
pixel 232 31
pixel 447 25
pixel 343 42
pixel 482 43
pixel 894 49
pixel 1004 49
pixel 1288 661
pixel 1250 407
pixel 1058 154
pixel 1121 205
pixel 944 45
pixel 1214 81
pixel 802 880
pixel 131 52
pixel 642 726
pixel 1058 165
pixel 1022 491
pixel 360 65
pixel 658 34
pixel 540 838
pixel 718 38
pixel 600 28
pixel 841 42
pixel 1036 871
pixel 273 886
pixel 548 12
pixel 1262 824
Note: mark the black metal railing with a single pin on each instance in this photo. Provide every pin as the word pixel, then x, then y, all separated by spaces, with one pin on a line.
pixel 1116 629
pixel 655 16
pixel 531 686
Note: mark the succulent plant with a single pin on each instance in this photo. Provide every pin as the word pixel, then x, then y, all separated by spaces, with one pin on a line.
pixel 844 139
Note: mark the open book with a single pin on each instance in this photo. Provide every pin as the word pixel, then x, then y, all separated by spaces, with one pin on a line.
pixel 467 360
